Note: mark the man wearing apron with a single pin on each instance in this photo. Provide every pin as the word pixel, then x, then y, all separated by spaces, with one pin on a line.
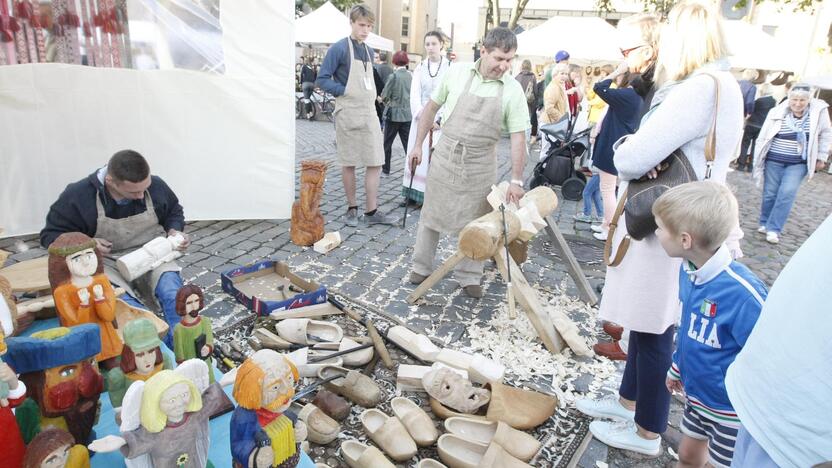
pixel 482 101
pixel 347 74
pixel 123 207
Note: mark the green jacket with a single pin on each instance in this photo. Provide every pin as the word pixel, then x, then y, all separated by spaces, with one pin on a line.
pixel 396 96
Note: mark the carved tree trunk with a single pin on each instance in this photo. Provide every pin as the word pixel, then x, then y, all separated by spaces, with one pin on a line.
pixel 481 238
pixel 307 221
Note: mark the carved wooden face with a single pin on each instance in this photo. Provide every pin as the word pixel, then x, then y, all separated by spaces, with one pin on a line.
pixel 83 263
pixel 192 305
pixel 57 458
pixel 278 386
pixel 146 361
pixel 64 386
pixel 175 401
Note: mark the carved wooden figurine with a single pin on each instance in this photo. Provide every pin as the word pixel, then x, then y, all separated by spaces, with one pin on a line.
pixel 82 292
pixel 141 359
pixel 55 448
pixel 173 415
pixel 62 381
pixel 261 433
pixel 12 394
pixel 307 221
pixel 193 336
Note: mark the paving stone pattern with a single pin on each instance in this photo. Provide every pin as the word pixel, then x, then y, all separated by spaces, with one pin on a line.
pixel 372 264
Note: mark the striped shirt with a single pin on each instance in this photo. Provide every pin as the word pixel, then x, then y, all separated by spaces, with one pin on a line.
pixel 784 148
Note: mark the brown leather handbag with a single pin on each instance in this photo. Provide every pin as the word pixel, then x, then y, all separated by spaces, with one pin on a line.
pixel 637 201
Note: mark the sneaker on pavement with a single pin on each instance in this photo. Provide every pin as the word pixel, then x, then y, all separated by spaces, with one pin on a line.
pixel 623 435
pixel 377 218
pixel 613 329
pixel 416 278
pixel 761 229
pixel 583 218
pixel 596 228
pixel 601 236
pixel 473 290
pixel 352 217
pixel 610 350
pixel 608 407
pixel 772 238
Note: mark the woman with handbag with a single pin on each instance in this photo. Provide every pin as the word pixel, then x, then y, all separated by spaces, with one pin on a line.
pixel 794 141
pixel 698 101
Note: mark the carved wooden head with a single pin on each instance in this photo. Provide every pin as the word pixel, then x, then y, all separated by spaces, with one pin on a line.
pixel 313 172
pixel 186 303
pixel 49 448
pixel 70 246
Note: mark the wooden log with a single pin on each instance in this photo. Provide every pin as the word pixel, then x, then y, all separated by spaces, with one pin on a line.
pixel 409 377
pixel 543 198
pixel 482 237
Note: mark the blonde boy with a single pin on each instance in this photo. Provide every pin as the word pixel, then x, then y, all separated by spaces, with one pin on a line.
pixel 720 303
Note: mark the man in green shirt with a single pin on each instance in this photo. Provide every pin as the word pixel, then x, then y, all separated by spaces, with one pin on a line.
pixel 193 337
pixel 481 101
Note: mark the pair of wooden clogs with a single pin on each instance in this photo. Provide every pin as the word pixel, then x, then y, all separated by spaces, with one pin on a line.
pixel 473 443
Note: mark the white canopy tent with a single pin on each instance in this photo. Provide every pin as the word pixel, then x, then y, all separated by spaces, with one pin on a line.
pixel 587 39
pixel 751 47
pixel 328 25
pixel 820 82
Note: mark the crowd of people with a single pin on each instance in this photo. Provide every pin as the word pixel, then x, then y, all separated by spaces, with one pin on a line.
pixel 678 305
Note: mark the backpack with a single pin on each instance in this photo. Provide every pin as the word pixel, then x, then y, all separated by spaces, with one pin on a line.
pixel 530 99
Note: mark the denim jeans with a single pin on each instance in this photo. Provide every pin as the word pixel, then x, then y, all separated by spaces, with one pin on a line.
pixel 779 191
pixel 592 195
pixel 166 289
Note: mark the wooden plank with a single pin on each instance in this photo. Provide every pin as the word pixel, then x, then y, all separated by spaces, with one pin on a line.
pixel 527 297
pixel 575 271
pixel 313 311
pixel 28 276
pixel 435 277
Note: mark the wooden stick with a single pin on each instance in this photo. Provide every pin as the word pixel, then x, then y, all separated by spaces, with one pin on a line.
pixel 527 297
pixel 317 310
pixel 435 277
pixel 575 271
pixel 381 349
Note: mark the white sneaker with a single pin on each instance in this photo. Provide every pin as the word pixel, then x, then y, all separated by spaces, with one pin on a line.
pixel 607 407
pixel 596 228
pixel 601 236
pixel 761 229
pixel 623 435
pixel 772 238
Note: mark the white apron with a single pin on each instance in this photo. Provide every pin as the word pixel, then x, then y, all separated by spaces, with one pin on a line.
pixel 128 234
pixel 464 164
pixel 357 131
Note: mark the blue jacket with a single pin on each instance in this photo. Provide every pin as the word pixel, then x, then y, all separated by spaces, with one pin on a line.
pixel 622 119
pixel 721 302
pixel 334 72
pixel 244 426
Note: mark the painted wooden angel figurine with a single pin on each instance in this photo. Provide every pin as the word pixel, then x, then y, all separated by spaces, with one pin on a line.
pixel 141 359
pixel 55 448
pixel 82 292
pixel 165 420
pixel 193 336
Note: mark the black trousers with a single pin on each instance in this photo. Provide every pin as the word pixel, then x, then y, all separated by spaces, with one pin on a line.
pixel 648 358
pixel 533 119
pixel 391 129
pixel 749 136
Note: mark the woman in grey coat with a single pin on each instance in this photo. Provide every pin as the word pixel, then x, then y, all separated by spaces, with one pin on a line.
pixel 794 141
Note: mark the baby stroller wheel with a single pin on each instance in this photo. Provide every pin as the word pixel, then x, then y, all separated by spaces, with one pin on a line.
pixel 572 188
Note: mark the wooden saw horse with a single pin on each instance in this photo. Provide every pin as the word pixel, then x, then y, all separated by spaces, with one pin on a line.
pixel 482 239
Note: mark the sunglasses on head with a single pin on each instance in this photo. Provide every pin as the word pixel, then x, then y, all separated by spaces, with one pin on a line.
pixel 626 52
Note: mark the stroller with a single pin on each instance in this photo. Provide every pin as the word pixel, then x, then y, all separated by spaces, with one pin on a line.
pixel 560 166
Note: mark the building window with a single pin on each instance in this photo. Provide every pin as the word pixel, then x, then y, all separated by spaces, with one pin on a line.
pixel 405 26
pixel 404 47
pixel 405 5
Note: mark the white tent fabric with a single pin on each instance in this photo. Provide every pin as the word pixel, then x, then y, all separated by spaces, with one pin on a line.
pixel 328 25
pixel 822 82
pixel 587 39
pixel 224 143
pixel 751 47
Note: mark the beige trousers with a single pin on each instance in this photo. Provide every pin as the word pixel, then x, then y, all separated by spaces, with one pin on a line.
pixel 467 272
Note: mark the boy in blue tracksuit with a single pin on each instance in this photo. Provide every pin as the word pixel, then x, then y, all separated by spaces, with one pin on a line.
pixel 720 303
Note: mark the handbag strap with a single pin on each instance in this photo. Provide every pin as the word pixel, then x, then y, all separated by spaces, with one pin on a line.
pixel 710 139
pixel 625 243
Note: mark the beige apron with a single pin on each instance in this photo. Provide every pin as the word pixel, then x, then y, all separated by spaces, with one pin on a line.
pixel 357 131
pixel 128 234
pixel 464 163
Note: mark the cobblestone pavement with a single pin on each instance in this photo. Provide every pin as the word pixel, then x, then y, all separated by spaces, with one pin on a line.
pixel 372 263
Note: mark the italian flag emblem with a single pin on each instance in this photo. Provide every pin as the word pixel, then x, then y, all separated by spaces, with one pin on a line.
pixel 708 308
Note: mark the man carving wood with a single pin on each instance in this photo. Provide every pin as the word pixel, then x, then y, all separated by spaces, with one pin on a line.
pixel 482 101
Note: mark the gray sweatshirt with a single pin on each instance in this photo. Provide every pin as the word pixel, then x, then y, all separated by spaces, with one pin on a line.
pixel 681 117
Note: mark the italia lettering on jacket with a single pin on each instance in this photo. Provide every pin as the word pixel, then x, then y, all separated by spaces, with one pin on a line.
pixel 703 330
